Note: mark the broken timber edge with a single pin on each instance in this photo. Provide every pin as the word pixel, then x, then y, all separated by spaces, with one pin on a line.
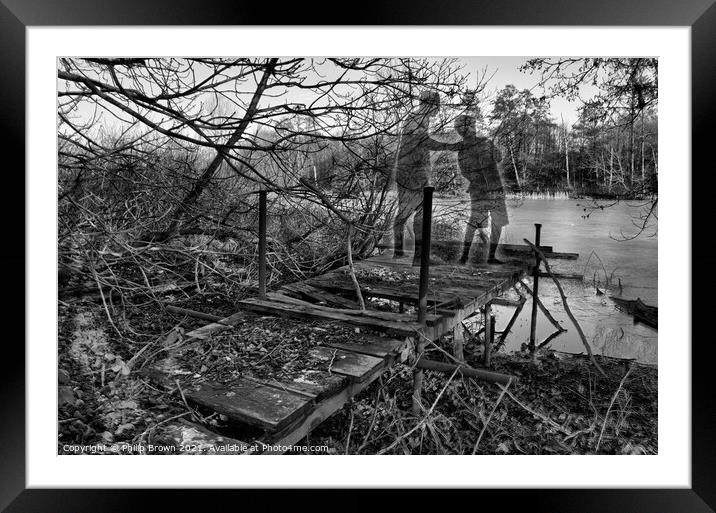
pixel 300 407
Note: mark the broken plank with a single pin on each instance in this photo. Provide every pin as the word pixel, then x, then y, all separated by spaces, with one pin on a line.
pixel 406 294
pixel 301 312
pixel 522 248
pixel 550 254
pixel 299 429
pixel 430 319
pixel 250 402
pixel 317 294
pixel 500 301
pixel 354 365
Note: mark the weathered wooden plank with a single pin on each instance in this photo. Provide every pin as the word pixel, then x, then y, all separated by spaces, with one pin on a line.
pixel 407 293
pixel 522 248
pixel 250 402
pixel 500 301
pixel 458 244
pixel 283 298
pixel 354 365
pixel 373 314
pixel 303 312
pixel 317 294
pixel 302 427
pixel 312 383
pixel 376 348
pixel 548 254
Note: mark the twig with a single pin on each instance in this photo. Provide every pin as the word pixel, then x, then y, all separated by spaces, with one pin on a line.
pixel 181 392
pixel 330 364
pixel 424 419
pixel 104 302
pixel 374 417
pixel 566 307
pixel 489 418
pixel 550 338
pixel 535 413
pixel 350 430
pixel 614 398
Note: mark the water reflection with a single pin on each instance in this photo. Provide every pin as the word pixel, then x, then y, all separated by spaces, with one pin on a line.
pixel 609 331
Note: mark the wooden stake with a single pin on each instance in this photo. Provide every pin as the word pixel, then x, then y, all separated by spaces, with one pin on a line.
pixel 262 244
pixel 535 277
pixel 458 338
pixel 489 333
pixel 423 292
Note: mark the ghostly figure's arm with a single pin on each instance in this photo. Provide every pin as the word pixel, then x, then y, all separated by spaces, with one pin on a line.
pixel 436 145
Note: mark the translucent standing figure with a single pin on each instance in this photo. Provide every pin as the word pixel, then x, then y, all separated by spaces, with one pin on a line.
pixel 478 158
pixel 412 171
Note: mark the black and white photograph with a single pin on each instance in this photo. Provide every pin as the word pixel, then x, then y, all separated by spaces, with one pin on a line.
pixel 357 255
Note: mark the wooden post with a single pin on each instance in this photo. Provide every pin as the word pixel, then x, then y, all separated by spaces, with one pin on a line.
pixel 423 293
pixel 458 339
pixel 262 244
pixel 425 254
pixel 535 278
pixel 489 333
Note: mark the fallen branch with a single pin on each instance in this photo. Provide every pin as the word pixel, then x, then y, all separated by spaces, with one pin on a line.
pixel 567 309
pixel 194 313
pixel 464 370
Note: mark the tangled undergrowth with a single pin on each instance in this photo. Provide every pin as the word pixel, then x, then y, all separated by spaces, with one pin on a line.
pixel 559 406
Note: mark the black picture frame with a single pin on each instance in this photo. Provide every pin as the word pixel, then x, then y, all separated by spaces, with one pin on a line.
pixel 17 15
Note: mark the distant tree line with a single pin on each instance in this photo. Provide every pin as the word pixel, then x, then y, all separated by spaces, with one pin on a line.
pixel 612 149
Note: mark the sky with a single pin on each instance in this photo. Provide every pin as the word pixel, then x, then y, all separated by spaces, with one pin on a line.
pixel 507 72
pixel 503 71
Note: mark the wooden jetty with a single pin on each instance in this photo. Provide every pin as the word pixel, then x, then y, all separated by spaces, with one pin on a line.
pixel 283 411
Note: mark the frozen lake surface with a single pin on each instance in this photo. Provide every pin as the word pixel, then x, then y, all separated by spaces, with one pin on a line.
pixel 565 227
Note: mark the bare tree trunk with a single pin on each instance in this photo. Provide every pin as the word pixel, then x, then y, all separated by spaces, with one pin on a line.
pixel 514 164
pixel 611 166
pixel 203 181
